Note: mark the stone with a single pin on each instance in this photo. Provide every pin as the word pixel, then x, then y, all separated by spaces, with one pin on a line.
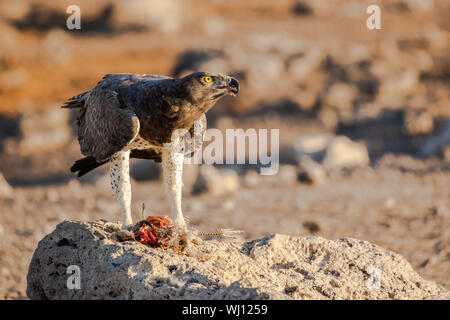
pixel 301 9
pixel 343 152
pixel 329 118
pixel 251 179
pixel 269 67
pixel 287 174
pixel 167 15
pixel 398 84
pixel 215 182
pixel 301 66
pixel 42 131
pixel 341 96
pixel 145 170
pixel 274 267
pixel 437 141
pixel 436 37
pixel 446 153
pixel 310 172
pixel 418 122
pixel 6 191
pixel 313 146
pixel 421 6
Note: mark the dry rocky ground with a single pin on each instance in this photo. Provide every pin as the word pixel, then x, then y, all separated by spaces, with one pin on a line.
pixel 404 208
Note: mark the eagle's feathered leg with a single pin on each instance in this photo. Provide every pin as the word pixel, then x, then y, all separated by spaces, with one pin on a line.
pixel 172 163
pixel 120 184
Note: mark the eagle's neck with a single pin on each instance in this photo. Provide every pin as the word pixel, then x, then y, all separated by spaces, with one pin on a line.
pixel 178 94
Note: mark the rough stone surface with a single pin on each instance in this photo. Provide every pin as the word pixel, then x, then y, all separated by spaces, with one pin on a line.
pixel 343 152
pixel 275 267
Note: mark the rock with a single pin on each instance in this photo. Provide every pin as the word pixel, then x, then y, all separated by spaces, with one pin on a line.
pixel 13 10
pixel 320 7
pixel 341 96
pixel 6 191
pixel 306 99
pixel 436 37
pixel 301 65
pixel 269 67
pixel 14 78
pixel 329 118
pixel 252 179
pixel 319 151
pixel 310 172
pixel 167 15
pixel 343 152
pixel 311 226
pixel 301 9
pixel 274 267
pixel 287 174
pixel 421 6
pixel 214 27
pixel 192 60
pixel 313 146
pixel 56 47
pixel 399 84
pixel 418 122
pixel 437 141
pixel 422 61
pixel 190 175
pixel 446 153
pixel 216 182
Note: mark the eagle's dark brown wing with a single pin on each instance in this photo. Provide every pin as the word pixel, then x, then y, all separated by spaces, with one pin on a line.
pixel 105 126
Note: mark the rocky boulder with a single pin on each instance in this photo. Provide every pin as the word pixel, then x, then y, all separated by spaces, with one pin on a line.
pixel 6 191
pixel 275 267
pixel 215 181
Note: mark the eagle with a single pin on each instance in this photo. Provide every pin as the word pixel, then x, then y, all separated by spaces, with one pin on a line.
pixel 144 116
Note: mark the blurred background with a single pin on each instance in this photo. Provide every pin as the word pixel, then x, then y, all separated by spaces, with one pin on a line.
pixel 364 119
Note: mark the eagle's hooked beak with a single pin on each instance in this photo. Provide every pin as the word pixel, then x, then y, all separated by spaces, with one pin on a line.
pixel 233 86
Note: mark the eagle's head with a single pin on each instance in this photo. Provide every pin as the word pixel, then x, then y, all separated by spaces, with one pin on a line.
pixel 207 88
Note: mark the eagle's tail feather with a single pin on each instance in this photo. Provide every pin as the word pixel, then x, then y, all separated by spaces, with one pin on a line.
pixel 85 165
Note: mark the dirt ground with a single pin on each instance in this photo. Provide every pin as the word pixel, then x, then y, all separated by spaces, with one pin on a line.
pixel 394 205
pixel 288 58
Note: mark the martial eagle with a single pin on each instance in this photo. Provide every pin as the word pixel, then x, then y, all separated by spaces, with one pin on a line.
pixel 130 115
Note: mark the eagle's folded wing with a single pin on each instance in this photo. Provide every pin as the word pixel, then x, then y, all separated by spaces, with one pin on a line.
pixel 104 125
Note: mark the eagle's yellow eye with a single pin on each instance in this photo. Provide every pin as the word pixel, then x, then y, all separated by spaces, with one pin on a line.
pixel 207 79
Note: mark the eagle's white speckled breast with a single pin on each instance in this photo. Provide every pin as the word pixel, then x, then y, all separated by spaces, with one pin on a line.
pixel 140 143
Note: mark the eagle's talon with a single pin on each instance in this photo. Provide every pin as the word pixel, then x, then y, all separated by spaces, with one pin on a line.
pixel 127 227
